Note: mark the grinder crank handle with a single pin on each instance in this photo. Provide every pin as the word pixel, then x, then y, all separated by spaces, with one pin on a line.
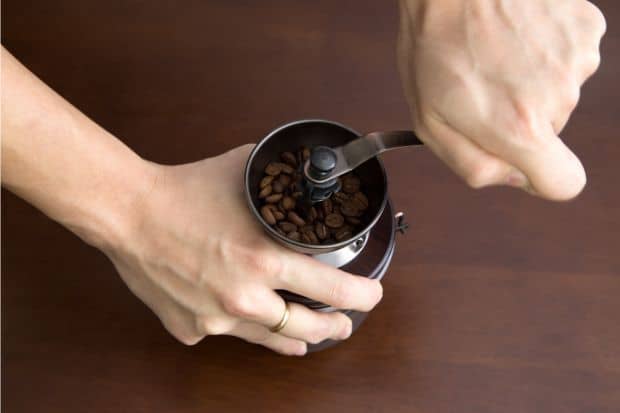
pixel 326 164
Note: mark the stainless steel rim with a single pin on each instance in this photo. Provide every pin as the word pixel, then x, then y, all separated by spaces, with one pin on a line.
pixel 310 249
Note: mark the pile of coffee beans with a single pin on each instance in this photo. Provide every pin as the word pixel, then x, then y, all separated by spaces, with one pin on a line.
pixel 335 219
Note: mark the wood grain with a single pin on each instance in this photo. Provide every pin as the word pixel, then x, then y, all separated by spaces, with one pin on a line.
pixel 495 301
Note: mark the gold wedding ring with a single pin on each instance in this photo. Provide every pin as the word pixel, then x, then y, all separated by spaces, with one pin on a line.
pixel 283 321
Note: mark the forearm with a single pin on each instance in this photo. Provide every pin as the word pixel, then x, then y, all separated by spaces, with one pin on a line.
pixel 63 163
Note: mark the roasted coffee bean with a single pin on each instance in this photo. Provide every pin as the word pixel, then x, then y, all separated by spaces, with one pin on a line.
pixel 295 219
pixel 327 206
pixel 267 215
pixel 340 197
pixel 361 199
pixel 350 184
pixel 289 158
pixel 266 181
pixel 321 230
pixel 287 226
pixel 357 204
pixel 307 239
pixel 285 168
pixel 285 180
pixel 277 187
pixel 350 220
pixel 273 198
pixel 274 207
pixel 312 236
pixel 265 192
pixel 334 220
pixel 349 210
pixel 271 206
pixel 288 203
pixel 342 234
pixel 273 168
pixel 312 214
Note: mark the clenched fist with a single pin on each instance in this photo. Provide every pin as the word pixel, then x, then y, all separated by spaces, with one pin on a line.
pixel 491 83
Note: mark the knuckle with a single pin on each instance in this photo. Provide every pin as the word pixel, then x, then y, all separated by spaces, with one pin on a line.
pixel 346 324
pixel 593 63
pixel 572 98
pixel 339 294
pixel 266 263
pixel 257 260
pixel 183 331
pixel 295 348
pixel 319 332
pixel 596 60
pixel 596 16
pixel 262 337
pixel 349 325
pixel 252 258
pixel 479 175
pixel 189 340
pixel 287 349
pixel 214 326
pixel 240 305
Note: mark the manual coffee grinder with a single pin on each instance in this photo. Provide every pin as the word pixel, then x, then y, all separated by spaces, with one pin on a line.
pixel 336 150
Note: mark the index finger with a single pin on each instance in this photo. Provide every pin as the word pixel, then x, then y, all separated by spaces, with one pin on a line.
pixel 308 277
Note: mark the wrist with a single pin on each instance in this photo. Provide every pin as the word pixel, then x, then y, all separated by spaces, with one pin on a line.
pixel 111 217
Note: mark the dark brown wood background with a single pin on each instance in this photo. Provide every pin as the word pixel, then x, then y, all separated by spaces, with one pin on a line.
pixel 495 301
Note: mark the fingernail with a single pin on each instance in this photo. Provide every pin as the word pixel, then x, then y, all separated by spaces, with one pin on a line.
pixel 517 179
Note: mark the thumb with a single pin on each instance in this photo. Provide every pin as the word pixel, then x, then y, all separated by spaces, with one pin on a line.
pixel 554 172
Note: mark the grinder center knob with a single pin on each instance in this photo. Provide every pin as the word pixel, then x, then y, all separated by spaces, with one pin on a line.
pixel 320 166
pixel 322 162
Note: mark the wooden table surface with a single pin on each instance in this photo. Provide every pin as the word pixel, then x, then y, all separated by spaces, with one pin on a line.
pixel 494 302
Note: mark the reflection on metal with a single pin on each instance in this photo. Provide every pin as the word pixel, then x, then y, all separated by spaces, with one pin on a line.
pixel 344 255
pixel 401 225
